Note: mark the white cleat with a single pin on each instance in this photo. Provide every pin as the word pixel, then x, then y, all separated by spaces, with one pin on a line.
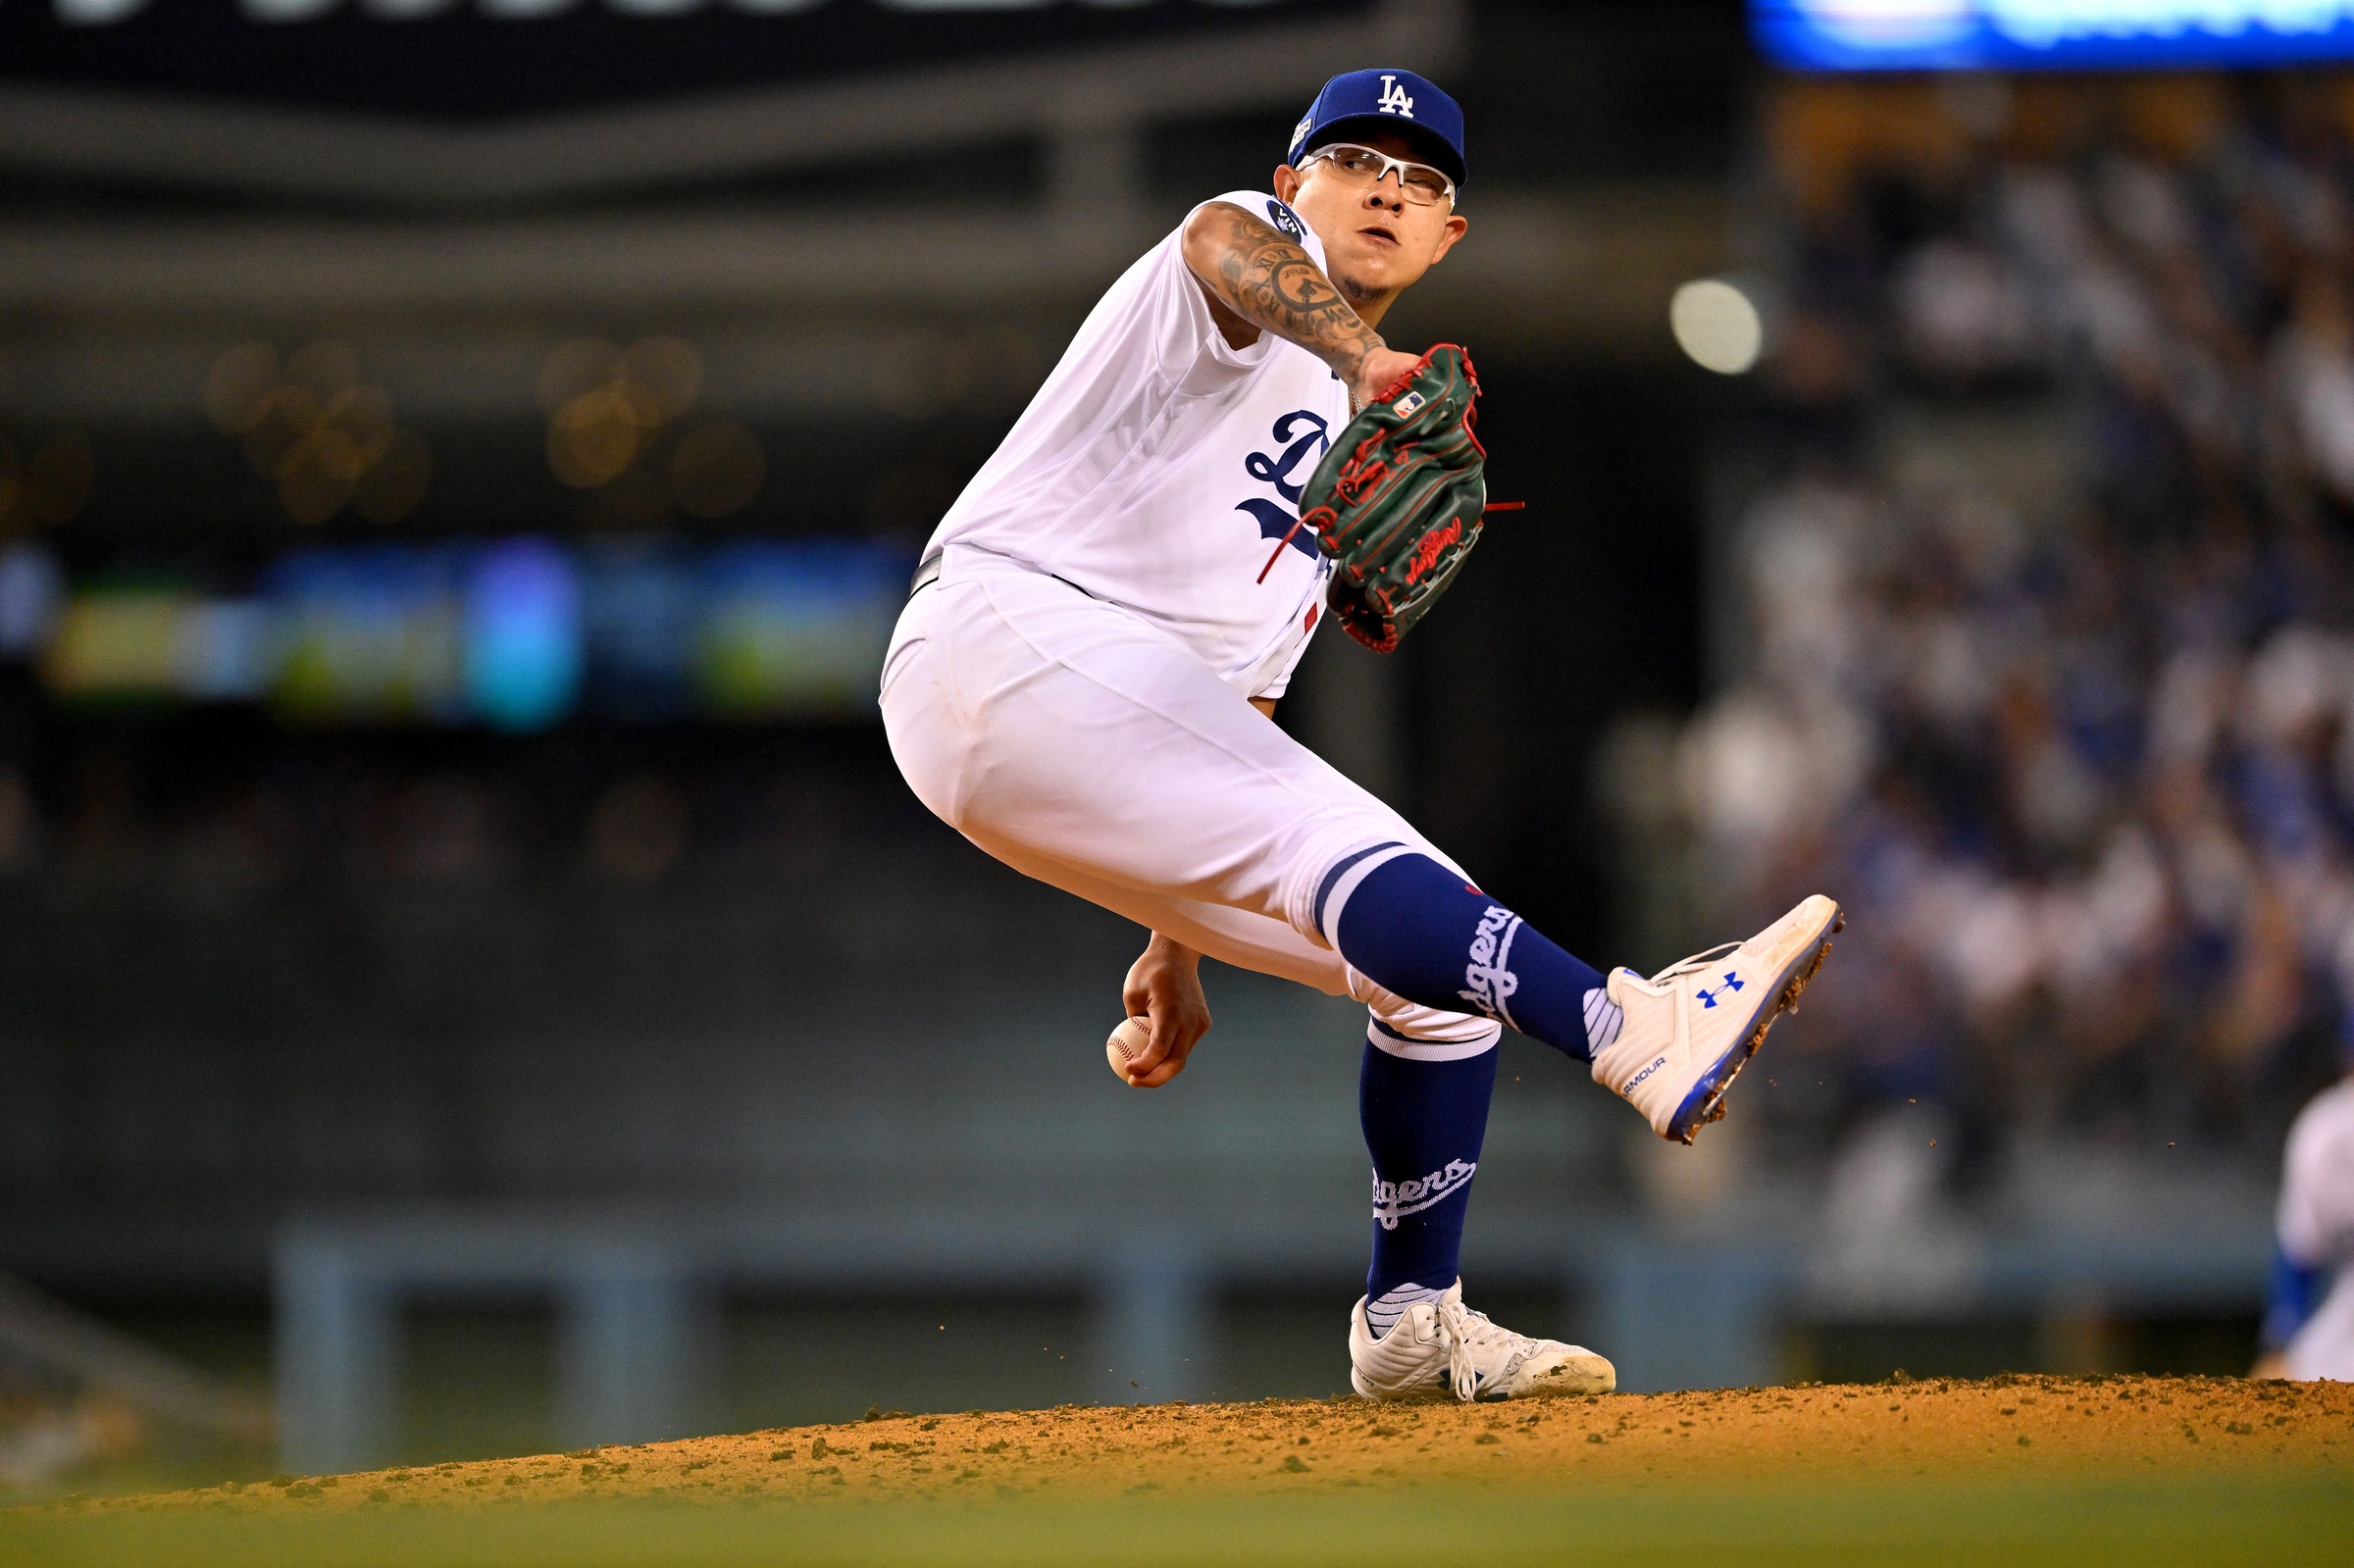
pixel 1693 1026
pixel 1442 1346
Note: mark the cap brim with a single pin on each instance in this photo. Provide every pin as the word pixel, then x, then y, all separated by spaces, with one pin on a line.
pixel 1435 150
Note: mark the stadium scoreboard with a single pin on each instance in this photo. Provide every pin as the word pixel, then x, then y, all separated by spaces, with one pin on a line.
pixel 2050 35
pixel 482 58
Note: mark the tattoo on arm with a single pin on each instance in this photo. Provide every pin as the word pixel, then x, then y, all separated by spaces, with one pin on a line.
pixel 1254 270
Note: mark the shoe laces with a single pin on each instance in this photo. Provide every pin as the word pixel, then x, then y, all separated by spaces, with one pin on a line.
pixel 1696 962
pixel 1467 1332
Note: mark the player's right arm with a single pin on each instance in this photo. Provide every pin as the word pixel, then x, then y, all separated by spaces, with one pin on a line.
pixel 1164 989
pixel 1258 279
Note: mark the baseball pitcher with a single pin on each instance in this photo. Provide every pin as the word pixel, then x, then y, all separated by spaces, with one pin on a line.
pixel 1082 681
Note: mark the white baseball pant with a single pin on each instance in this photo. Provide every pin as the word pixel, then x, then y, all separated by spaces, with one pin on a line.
pixel 1088 748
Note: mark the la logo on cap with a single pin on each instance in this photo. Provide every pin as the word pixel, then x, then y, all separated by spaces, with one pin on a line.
pixel 1393 100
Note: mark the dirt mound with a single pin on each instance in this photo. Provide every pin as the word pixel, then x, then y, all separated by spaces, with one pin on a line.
pixel 2021 1426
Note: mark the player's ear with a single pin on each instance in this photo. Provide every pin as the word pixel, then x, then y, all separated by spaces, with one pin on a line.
pixel 1457 223
pixel 1286 183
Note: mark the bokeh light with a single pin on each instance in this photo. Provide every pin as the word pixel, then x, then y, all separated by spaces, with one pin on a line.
pixel 717 470
pixel 326 439
pixel 281 419
pixel 121 643
pixel 326 367
pixel 1717 324
pixel 524 654
pixel 605 406
pixel 581 365
pixel 32 589
pixel 308 491
pixel 353 432
pixel 592 439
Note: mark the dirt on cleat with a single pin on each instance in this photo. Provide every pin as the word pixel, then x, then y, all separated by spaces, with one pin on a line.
pixel 1715 1110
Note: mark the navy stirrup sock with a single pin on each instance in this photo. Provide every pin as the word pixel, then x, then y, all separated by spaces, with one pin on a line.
pixel 1424 1123
pixel 1419 930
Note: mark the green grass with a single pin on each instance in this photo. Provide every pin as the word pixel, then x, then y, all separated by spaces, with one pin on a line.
pixel 2272 1523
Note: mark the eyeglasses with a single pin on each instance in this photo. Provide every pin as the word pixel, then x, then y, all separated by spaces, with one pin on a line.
pixel 1420 183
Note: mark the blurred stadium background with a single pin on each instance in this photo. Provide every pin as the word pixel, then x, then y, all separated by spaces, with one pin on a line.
pixel 474 981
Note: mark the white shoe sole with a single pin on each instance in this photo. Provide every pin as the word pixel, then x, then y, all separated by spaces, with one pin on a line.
pixel 1580 1377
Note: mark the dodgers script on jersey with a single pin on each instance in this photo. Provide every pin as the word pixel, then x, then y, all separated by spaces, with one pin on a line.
pixel 1158 469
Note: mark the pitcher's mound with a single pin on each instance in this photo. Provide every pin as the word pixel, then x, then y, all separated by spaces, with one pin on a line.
pixel 2013 1425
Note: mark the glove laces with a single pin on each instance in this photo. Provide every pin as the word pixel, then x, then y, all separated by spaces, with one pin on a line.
pixel 1465 1332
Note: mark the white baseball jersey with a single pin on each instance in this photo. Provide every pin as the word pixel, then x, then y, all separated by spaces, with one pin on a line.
pixel 1158 469
pixel 2317 1229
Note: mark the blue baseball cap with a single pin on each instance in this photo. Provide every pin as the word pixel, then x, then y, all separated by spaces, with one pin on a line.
pixel 1384 98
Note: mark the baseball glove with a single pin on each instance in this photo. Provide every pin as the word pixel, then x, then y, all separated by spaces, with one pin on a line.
pixel 1398 502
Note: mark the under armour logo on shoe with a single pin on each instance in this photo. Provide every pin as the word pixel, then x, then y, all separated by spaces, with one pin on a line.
pixel 1732 981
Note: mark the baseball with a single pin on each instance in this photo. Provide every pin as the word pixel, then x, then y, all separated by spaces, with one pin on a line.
pixel 1127 1043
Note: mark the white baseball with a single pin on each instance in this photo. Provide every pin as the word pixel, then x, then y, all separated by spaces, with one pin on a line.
pixel 1127 1043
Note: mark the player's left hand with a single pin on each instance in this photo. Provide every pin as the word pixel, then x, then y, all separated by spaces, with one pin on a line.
pixel 1164 989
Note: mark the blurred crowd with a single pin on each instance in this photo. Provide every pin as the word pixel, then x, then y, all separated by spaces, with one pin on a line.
pixel 2045 620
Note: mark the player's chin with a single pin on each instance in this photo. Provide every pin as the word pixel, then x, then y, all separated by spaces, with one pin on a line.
pixel 1379 273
